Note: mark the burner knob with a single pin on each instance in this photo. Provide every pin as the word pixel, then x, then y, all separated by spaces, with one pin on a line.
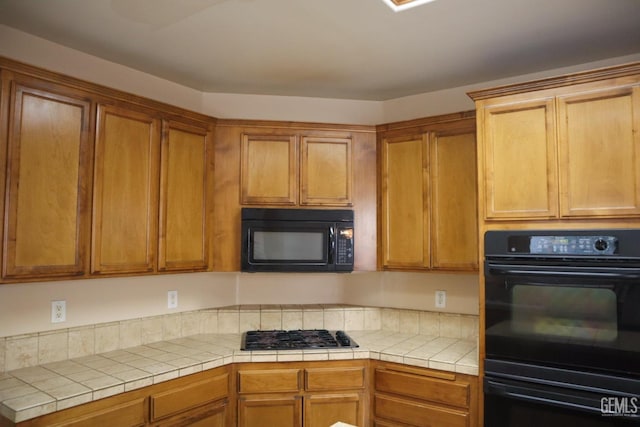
pixel 601 245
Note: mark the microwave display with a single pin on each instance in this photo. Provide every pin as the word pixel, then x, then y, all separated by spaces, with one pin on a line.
pixel 281 240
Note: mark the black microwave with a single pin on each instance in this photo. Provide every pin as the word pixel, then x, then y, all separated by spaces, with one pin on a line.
pixel 288 240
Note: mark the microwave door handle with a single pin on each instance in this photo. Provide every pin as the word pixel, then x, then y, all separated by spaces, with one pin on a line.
pixel 332 244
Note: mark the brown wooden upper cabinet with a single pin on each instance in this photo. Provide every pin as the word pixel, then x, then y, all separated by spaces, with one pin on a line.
pixel 151 204
pixel 428 198
pixel 293 169
pixel 561 151
pixel 125 202
pixel 48 179
pixel 186 172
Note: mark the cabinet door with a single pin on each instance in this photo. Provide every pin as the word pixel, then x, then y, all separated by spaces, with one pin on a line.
pixel 599 147
pixel 519 160
pixel 184 180
pixel 321 410
pixel 284 411
pixel 454 219
pixel 405 235
pixel 269 170
pixel 419 414
pixel 125 212
pixel 48 182
pixel 325 171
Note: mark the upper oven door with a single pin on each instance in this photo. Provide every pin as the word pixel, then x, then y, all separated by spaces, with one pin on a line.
pixel 585 317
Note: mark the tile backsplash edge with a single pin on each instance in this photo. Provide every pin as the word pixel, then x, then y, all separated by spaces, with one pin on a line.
pixel 21 351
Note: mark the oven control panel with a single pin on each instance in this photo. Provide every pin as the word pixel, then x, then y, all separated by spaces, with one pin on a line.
pixel 563 245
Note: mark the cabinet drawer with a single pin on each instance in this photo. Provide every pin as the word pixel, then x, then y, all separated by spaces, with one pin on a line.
pixel 269 381
pixel 418 414
pixel 321 379
pixel 191 396
pixel 421 387
pixel 128 414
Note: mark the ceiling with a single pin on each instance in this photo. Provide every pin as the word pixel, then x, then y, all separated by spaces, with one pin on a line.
pixel 350 49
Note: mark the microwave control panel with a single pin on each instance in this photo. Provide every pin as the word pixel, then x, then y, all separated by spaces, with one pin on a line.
pixel 344 245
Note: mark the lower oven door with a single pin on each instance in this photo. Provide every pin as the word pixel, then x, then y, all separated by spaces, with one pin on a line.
pixel 515 399
pixel 579 318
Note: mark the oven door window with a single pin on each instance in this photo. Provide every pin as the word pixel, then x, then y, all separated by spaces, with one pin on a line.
pixel 564 313
pixel 566 322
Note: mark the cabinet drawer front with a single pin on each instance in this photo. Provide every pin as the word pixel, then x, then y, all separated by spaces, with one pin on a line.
pixel 432 389
pixel 418 414
pixel 129 414
pixel 269 381
pixel 334 378
pixel 191 396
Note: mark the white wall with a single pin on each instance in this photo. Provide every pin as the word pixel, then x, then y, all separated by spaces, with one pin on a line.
pixel 33 50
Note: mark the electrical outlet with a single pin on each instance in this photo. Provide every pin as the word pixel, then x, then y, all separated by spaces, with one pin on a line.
pixel 441 299
pixel 58 311
pixel 172 299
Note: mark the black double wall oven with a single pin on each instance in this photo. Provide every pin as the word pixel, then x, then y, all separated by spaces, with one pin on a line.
pixel 562 328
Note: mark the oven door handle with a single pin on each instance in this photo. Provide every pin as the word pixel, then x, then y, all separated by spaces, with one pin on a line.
pixel 564 271
pixel 542 395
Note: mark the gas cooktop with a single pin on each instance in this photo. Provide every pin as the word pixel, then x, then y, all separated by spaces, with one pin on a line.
pixel 298 339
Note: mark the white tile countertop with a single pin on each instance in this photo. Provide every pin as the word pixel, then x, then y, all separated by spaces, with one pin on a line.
pixel 38 390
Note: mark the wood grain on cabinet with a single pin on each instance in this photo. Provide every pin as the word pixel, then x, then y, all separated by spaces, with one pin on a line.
pixel 332 379
pixel 327 409
pixel 599 152
pixel 282 411
pixel 454 198
pixel 405 239
pixel 518 159
pixel 82 180
pixel 561 149
pixel 213 415
pixel 303 393
pixel 269 381
pixel 325 171
pixel 423 397
pixel 428 194
pixel 125 195
pixel 419 414
pixel 269 169
pixel 48 181
pixel 189 396
pixel 186 173
pixel 126 410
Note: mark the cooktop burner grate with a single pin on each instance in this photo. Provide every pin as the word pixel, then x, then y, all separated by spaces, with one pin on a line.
pixel 296 339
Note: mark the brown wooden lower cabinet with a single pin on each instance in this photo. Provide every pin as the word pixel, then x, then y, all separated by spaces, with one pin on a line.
pixel 201 399
pixel 406 396
pixel 287 394
pixel 310 394
pixel 278 410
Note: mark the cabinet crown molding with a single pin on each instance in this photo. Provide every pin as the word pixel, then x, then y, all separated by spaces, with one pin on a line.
pixel 559 81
